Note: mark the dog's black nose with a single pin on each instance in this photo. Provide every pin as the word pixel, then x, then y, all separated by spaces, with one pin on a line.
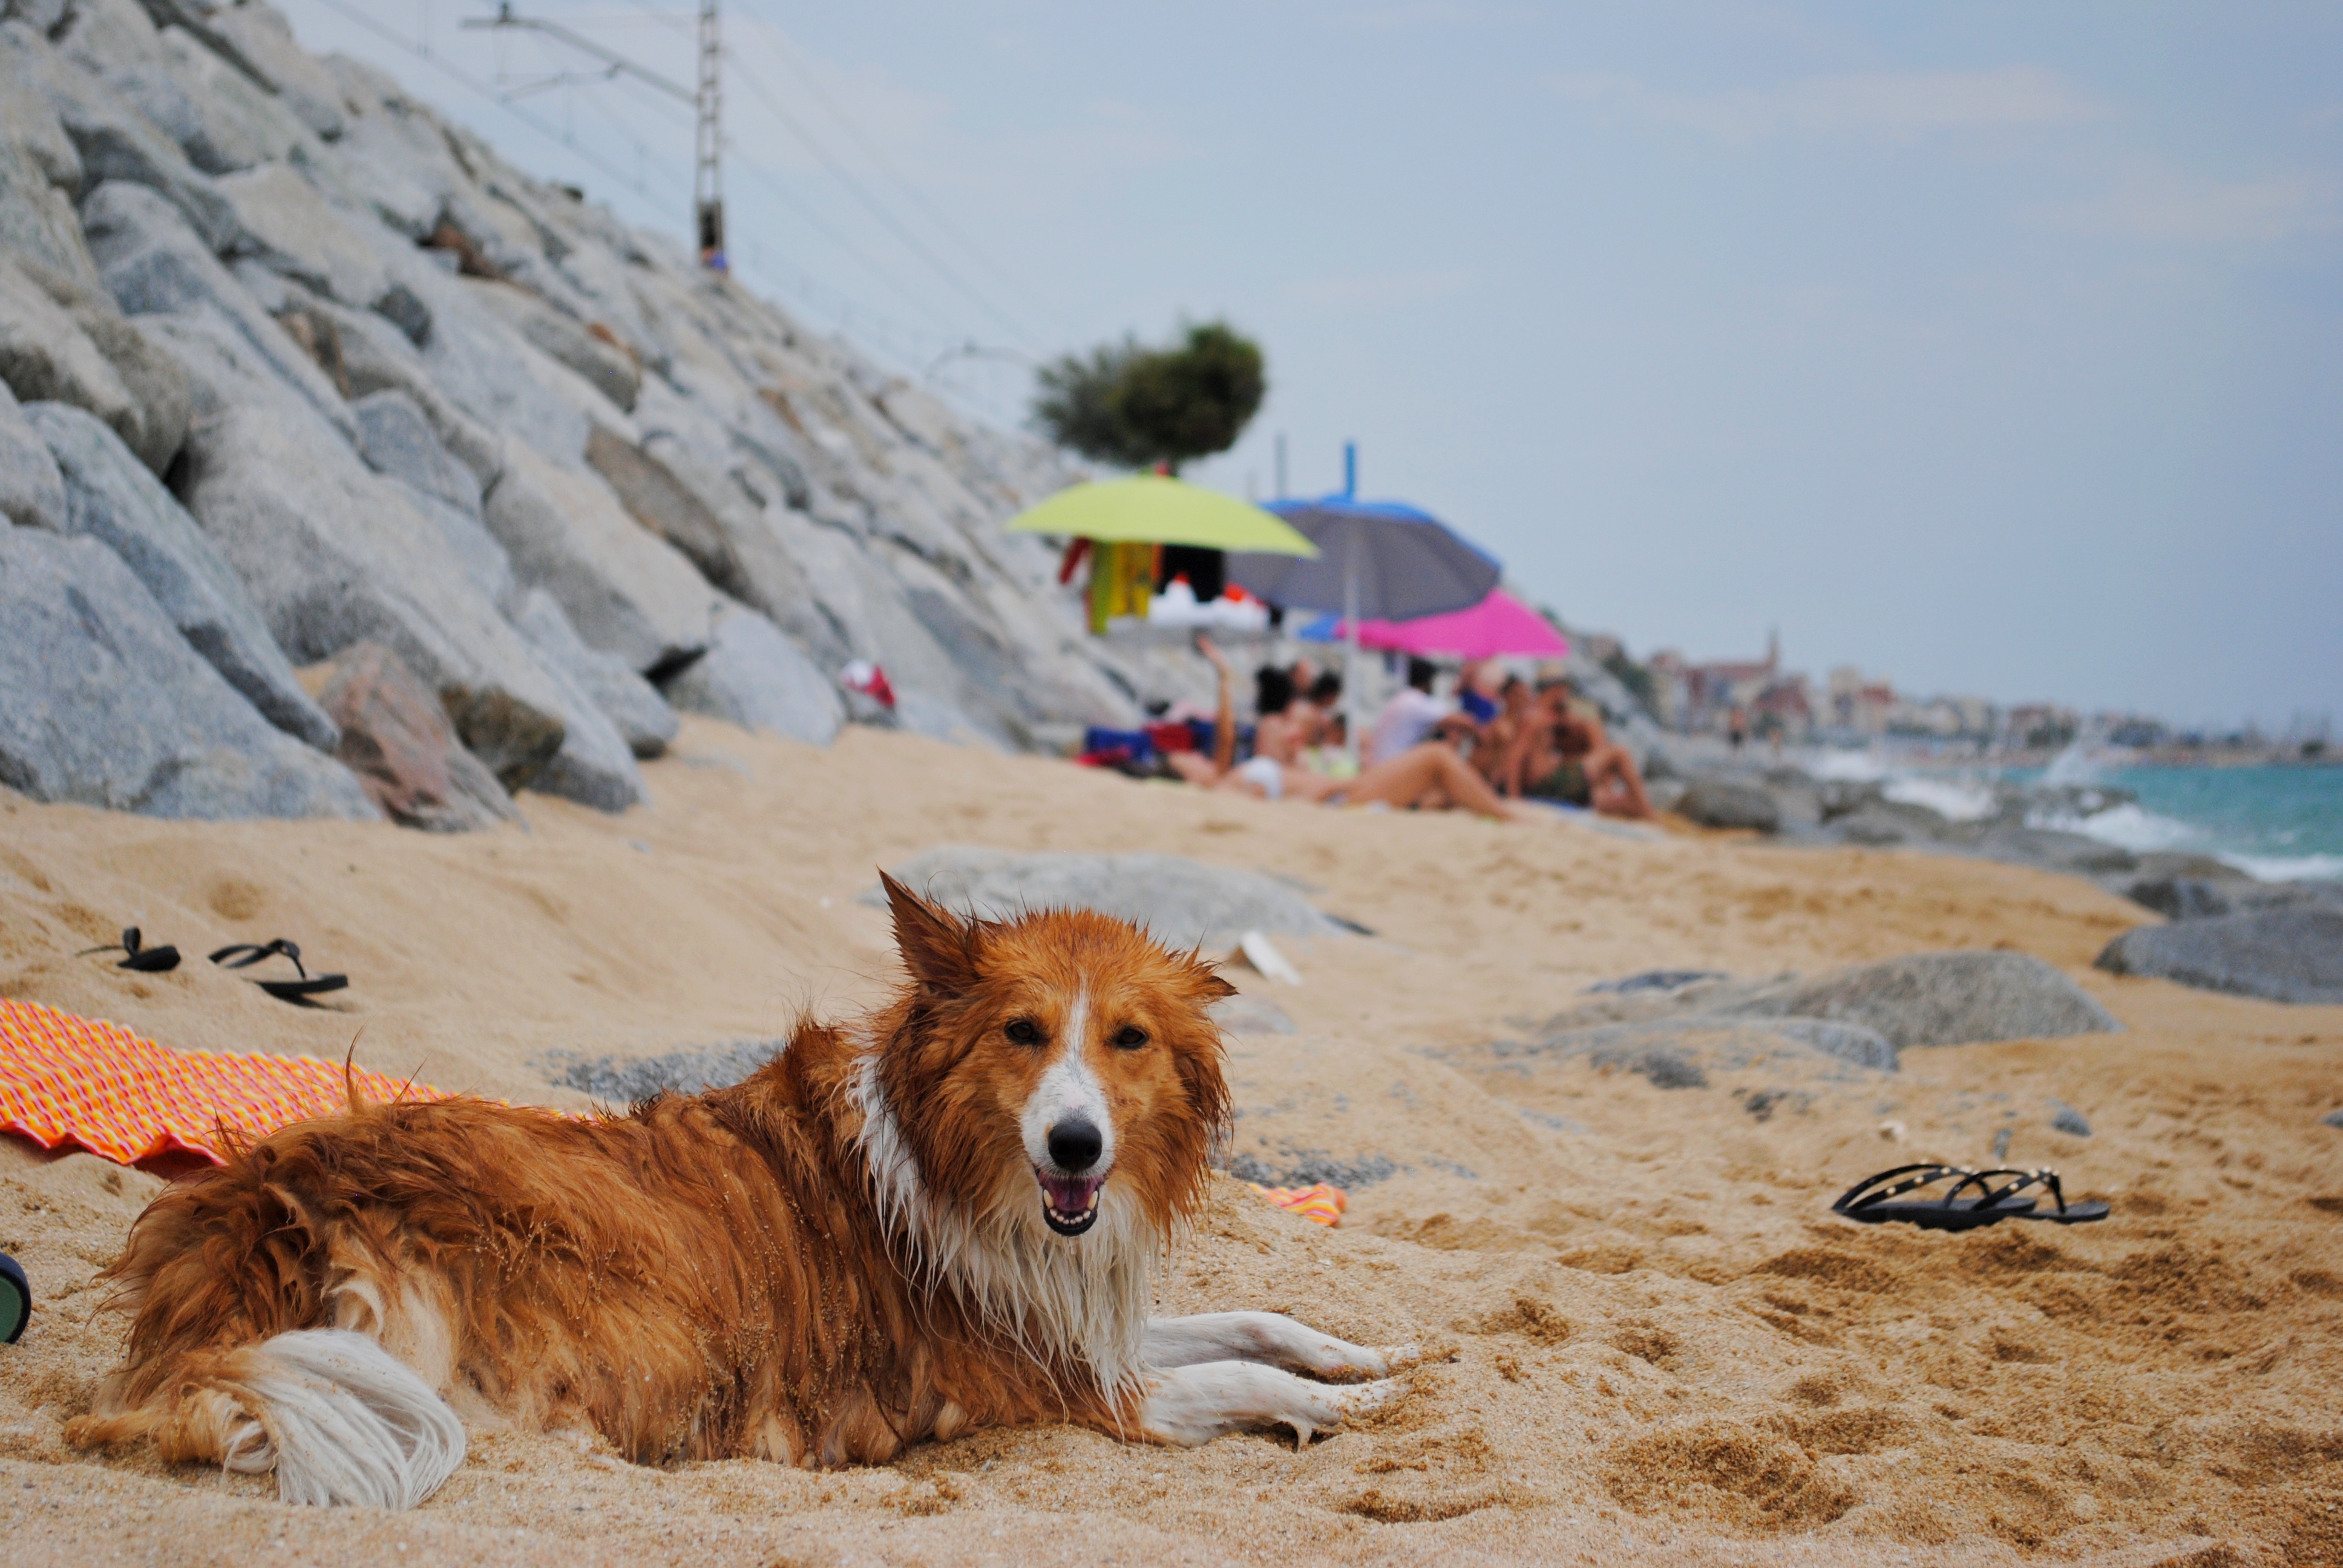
pixel 1075 1146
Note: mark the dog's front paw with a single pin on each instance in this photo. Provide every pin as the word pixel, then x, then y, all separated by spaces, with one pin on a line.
pixel 1366 1398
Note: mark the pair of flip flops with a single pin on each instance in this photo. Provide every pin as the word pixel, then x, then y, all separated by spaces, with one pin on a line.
pixel 1877 1198
pixel 145 960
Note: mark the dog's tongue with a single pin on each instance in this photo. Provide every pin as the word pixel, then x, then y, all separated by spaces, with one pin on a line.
pixel 1070 1195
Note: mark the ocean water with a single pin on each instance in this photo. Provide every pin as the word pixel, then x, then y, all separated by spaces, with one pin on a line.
pixel 2281 824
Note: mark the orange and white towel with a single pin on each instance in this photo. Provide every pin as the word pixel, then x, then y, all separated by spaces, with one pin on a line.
pixel 1321 1201
pixel 68 1081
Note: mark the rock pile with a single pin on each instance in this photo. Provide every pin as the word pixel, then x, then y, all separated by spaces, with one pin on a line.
pixel 294 365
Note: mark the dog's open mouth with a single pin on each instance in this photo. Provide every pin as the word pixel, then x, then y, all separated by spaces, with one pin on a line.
pixel 1070 1203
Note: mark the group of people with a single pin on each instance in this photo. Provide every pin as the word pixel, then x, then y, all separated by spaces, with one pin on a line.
pixel 1501 740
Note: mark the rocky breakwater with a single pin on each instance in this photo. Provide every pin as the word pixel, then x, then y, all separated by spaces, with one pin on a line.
pixel 300 374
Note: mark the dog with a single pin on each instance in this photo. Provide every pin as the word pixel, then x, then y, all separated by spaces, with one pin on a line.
pixel 948 1216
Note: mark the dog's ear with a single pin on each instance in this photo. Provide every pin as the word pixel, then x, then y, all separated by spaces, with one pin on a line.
pixel 1212 986
pixel 937 948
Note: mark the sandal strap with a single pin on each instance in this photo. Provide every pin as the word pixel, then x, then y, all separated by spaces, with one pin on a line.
pixel 253 952
pixel 1879 1189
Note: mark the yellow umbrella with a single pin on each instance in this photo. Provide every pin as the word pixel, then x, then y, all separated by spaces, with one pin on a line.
pixel 1156 509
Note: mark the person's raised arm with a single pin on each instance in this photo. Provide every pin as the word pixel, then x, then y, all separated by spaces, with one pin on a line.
pixel 1224 717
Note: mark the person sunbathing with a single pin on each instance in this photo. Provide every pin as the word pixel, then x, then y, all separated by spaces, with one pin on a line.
pixel 1430 775
pixel 1569 759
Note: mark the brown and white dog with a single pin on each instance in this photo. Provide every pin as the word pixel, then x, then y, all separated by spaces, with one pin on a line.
pixel 946 1217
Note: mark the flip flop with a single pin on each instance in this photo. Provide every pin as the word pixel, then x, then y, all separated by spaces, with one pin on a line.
pixel 244 955
pixel 1872 1200
pixel 16 1300
pixel 2065 1214
pixel 147 961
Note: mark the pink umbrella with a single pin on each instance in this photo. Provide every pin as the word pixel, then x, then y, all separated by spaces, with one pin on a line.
pixel 1499 625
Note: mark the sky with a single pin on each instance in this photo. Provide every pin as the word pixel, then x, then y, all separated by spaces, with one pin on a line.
pixel 1993 348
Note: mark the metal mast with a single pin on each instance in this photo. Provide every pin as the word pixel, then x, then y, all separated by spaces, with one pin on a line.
pixel 707 166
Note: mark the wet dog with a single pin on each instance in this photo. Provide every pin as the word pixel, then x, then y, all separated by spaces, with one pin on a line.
pixel 946 1216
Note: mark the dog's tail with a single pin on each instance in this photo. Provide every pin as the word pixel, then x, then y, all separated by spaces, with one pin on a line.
pixel 337 1417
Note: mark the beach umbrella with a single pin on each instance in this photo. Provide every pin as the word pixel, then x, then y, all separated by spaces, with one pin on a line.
pixel 1499 626
pixel 1381 560
pixel 1156 509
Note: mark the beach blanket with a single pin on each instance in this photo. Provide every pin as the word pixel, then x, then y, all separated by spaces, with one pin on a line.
pixel 1321 1201
pixel 95 1085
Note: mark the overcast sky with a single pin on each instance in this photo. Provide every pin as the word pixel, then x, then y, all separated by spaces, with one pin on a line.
pixel 1994 348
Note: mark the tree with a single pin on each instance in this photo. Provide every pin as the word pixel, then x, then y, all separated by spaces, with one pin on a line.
pixel 1133 407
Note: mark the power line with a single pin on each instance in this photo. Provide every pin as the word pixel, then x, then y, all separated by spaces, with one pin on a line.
pixel 805 79
pixel 862 193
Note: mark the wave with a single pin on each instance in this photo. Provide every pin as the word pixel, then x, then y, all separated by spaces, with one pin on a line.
pixel 2288 868
pixel 1954 801
pixel 1852 767
pixel 2127 827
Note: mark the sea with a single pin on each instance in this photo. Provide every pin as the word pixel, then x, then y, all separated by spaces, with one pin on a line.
pixel 2279 822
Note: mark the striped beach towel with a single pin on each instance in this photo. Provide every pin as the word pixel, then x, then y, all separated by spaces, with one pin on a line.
pixel 95 1085
pixel 1321 1201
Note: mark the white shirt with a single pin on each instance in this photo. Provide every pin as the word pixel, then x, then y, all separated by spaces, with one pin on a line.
pixel 1406 719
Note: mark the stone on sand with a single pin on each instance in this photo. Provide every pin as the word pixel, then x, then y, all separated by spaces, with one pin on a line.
pixel 754 677
pixel 1730 803
pixel 1944 998
pixel 2291 955
pixel 397 740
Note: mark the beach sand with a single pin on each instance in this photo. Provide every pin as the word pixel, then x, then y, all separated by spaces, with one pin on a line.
pixel 1652 1342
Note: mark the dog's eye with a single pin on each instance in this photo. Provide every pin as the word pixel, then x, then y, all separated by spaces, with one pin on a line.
pixel 1130 1039
pixel 1023 1033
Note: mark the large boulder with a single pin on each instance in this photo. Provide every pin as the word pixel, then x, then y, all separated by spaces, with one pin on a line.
pixel 606 367
pixel 153 263
pixel 1180 903
pixel 396 438
pixel 104 703
pixel 32 491
pixel 754 677
pixel 114 499
pixel 241 124
pixel 627 591
pixel 2293 955
pixel 40 178
pixel 262 41
pixel 116 41
pixel 631 704
pixel 332 554
pixel 398 741
pixel 1731 803
pixel 289 229
pixel 1942 999
pixel 45 357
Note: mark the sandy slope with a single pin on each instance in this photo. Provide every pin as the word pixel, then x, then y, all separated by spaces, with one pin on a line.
pixel 1661 1348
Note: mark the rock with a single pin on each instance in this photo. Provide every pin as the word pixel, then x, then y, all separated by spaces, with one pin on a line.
pixel 2292 955
pixel 2065 1118
pixel 754 677
pixel 38 221
pixel 398 742
pixel 1180 903
pixel 153 263
pixel 689 1071
pixel 473 547
pixel 112 140
pixel 102 702
pixel 332 554
pixel 32 492
pixel 2058 851
pixel 241 124
pixel 596 763
pixel 1854 1042
pixel 2333 1119
pixel 45 357
pixel 289 229
pixel 115 41
pixel 1943 998
pixel 1730 803
pixel 264 46
pixel 626 591
pixel 2179 898
pixel 395 438
pixel 1244 1014
pixel 376 359
pixel 629 702
pixel 113 499
pixel 606 367
pixel 158 391
pixel 657 499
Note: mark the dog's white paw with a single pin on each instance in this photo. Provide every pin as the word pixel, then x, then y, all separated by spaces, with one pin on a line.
pixel 1398 1358
pixel 1363 1399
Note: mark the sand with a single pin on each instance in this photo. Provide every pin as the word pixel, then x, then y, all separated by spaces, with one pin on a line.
pixel 1653 1343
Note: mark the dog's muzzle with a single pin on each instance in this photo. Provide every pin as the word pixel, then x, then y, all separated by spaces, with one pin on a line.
pixel 1069 1186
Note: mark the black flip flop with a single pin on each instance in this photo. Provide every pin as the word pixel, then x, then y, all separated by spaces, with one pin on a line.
pixel 244 955
pixel 1870 1201
pixel 2065 1214
pixel 147 961
pixel 16 1300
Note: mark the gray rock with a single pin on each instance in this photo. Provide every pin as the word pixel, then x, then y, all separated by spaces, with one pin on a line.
pixel 378 358
pixel 626 591
pixel 1730 803
pixel 1680 1051
pixel 606 367
pixel 634 705
pixel 1943 998
pixel 32 492
pixel 2065 1118
pixel 396 740
pixel 2283 955
pixel 289 229
pixel 396 438
pixel 754 677
pixel 2179 898
pixel 102 702
pixel 332 554
pixel 263 45
pixel 159 395
pixel 113 499
pixel 2333 1119
pixel 596 765
pixel 112 138
pixel 37 216
pixel 655 497
pixel 473 547
pixel 239 124
pixel 689 1072
pixel 115 41
pixel 153 263
pixel 45 357
pixel 2057 851
pixel 1852 1042
pixel 1180 903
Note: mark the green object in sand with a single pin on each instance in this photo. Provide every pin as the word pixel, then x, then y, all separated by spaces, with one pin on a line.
pixel 1156 509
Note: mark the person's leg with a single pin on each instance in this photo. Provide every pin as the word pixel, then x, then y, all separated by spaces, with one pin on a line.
pixel 1194 766
pixel 1615 785
pixel 1408 779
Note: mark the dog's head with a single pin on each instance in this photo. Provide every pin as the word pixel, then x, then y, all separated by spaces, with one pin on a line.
pixel 1054 1055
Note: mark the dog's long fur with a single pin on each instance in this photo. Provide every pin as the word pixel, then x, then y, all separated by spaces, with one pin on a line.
pixel 843 1254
